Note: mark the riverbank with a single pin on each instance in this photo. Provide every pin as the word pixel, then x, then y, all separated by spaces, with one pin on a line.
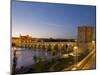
pixel 54 65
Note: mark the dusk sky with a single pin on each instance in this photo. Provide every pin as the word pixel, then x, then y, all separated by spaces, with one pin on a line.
pixel 45 20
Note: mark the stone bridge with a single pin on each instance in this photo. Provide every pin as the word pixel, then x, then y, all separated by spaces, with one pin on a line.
pixel 54 49
pixel 48 44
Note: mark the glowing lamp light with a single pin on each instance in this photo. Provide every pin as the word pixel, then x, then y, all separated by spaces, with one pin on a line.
pixel 93 42
pixel 75 48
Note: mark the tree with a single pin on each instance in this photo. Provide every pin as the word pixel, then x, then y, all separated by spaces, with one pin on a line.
pixel 56 48
pixel 13 44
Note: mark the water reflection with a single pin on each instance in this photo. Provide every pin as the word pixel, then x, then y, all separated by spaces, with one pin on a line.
pixel 25 56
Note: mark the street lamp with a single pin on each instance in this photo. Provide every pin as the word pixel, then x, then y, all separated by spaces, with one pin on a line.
pixel 93 44
pixel 75 48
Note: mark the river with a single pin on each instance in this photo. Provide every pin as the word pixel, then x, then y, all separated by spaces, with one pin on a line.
pixel 25 56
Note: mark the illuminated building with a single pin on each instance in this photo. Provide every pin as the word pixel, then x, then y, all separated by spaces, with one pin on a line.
pixel 86 35
pixel 16 41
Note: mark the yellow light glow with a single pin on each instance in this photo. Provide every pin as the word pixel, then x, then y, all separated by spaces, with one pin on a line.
pixel 75 48
pixel 93 42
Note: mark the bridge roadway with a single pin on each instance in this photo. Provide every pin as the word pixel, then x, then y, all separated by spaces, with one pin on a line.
pixel 89 62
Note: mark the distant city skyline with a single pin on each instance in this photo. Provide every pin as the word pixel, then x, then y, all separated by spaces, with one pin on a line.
pixel 50 20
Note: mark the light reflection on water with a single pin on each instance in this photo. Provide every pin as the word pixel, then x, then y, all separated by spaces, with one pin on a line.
pixel 25 56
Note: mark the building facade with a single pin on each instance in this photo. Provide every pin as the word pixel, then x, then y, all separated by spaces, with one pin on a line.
pixel 86 37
